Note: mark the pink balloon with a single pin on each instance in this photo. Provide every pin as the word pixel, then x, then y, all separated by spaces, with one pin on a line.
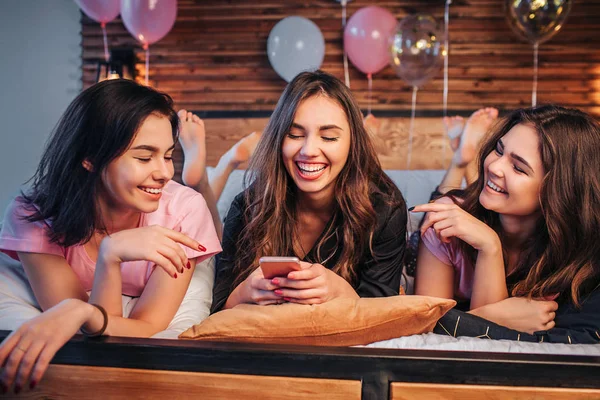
pixel 102 11
pixel 366 38
pixel 148 20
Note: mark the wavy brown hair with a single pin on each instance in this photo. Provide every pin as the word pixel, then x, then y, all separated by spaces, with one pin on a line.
pixel 563 253
pixel 270 216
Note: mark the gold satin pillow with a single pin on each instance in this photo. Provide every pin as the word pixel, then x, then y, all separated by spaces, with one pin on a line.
pixel 339 322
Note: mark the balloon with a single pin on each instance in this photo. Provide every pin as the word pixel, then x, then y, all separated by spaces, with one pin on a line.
pixel 366 38
pixel 416 49
pixel 102 11
pixel 295 44
pixel 148 20
pixel 537 20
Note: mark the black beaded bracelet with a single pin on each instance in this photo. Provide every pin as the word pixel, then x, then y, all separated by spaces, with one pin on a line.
pixel 104 325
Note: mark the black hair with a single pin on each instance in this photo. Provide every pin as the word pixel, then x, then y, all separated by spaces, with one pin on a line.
pixel 97 127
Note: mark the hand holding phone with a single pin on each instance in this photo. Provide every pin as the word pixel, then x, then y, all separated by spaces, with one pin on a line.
pixel 278 266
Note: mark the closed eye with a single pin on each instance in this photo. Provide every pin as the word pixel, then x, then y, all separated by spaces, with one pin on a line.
pixel 519 170
pixel 329 139
pixel 499 148
pixel 292 136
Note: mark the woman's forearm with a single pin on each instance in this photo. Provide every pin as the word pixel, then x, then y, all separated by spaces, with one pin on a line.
pixel 489 283
pixel 236 297
pixel 93 320
pixel 107 286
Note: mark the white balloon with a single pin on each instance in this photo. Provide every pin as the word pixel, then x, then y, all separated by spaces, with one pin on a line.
pixel 295 44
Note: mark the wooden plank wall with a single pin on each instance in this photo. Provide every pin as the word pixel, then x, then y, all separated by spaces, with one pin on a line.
pixel 214 59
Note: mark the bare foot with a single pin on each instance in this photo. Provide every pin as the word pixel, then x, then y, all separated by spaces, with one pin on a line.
pixel 192 137
pixel 454 128
pixel 475 129
pixel 242 150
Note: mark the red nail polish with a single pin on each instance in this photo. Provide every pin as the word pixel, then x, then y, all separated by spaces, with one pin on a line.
pixel 287 298
pixel 189 266
pixel 32 384
pixel 278 292
pixel 201 248
pixel 275 281
pixel 175 276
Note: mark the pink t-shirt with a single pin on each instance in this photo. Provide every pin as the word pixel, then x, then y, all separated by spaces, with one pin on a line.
pixel 450 254
pixel 180 208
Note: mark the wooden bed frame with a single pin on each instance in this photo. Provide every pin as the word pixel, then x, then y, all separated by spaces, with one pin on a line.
pixel 126 368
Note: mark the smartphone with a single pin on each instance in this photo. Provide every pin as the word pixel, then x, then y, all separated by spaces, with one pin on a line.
pixel 278 266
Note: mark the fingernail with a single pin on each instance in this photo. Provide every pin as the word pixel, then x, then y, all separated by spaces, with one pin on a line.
pixel 201 248
pixel 17 389
pixel 278 292
pixel 175 276
pixel 287 298
pixel 32 384
pixel 189 266
pixel 275 281
pixel 412 208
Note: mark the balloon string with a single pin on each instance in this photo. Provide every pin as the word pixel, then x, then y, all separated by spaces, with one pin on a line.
pixel 411 126
pixel 446 49
pixel 535 75
pixel 147 62
pixel 370 88
pixel 446 55
pixel 106 55
pixel 346 73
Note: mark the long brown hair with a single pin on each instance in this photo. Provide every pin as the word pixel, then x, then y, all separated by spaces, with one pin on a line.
pixel 270 216
pixel 563 253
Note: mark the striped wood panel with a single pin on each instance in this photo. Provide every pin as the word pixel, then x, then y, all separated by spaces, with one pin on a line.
pixel 430 145
pixel 215 56
pixel 214 59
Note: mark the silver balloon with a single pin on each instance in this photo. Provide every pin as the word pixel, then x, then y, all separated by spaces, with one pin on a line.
pixel 417 49
pixel 295 45
pixel 537 20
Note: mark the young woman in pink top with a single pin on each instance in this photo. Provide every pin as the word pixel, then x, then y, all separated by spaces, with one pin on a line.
pixel 520 244
pixel 102 219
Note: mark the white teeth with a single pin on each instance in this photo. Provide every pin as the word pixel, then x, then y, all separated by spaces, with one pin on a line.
pixel 304 167
pixel 152 190
pixel 494 187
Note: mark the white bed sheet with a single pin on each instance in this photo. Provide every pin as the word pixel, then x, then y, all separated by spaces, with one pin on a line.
pixel 433 341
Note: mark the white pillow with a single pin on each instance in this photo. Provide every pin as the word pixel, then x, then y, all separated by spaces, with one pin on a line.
pixel 17 301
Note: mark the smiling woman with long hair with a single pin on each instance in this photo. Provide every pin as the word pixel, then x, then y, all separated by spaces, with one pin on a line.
pixel 317 191
pixel 528 228
pixel 103 219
